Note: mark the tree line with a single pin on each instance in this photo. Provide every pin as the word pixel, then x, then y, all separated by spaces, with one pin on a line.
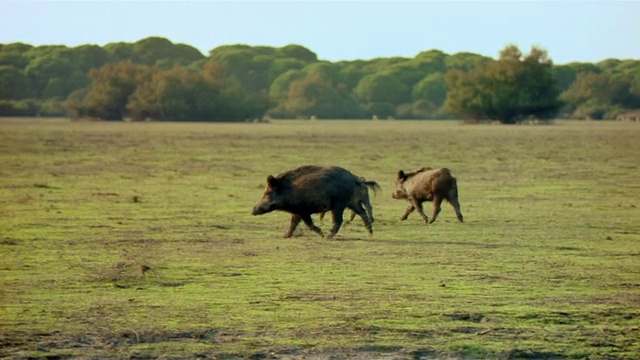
pixel 156 79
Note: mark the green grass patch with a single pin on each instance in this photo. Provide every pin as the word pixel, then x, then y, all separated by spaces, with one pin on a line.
pixel 546 264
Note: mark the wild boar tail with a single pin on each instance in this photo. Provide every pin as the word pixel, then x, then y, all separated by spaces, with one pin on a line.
pixel 373 186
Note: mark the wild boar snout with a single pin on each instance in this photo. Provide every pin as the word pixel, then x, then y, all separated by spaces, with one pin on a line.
pixel 262 209
pixel 264 206
pixel 400 192
pixel 399 195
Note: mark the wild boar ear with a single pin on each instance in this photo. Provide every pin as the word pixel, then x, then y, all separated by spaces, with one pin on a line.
pixel 273 182
pixel 401 175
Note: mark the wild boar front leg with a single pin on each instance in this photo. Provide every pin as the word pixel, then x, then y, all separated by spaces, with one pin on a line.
pixel 418 205
pixel 407 212
pixel 295 220
pixel 309 222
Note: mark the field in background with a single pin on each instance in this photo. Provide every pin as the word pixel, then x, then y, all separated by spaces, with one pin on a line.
pixel 547 263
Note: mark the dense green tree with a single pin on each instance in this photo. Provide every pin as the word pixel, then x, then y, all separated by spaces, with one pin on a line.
pixel 279 89
pixel 109 92
pixel 119 51
pixel 242 81
pixel 18 48
pixel 464 61
pixel 74 103
pixel 145 100
pixel 635 86
pixel 174 94
pixel 351 72
pixel 566 74
pixel 280 66
pixel 50 65
pixel 181 95
pixel 433 88
pixel 52 108
pixel 391 82
pixel 324 69
pixel 427 97
pixel 315 95
pixel 56 71
pixel 12 56
pixel 628 72
pixel 87 57
pixel 609 65
pixel 599 95
pixel 509 89
pixel 406 73
pixel 162 52
pixel 12 59
pixel 381 88
pixel 26 107
pixel 238 60
pixel 257 67
pixel 381 64
pixel 429 62
pixel 297 52
pixel 14 84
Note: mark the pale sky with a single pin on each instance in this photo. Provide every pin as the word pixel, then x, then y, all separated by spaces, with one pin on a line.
pixel 585 31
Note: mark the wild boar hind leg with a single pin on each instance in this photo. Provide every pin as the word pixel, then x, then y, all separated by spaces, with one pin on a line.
pixel 437 201
pixel 456 207
pixel 337 221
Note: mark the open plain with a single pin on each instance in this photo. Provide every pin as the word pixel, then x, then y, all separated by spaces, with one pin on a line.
pixel 135 240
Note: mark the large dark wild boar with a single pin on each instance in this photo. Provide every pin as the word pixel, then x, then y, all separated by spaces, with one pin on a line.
pixel 314 189
pixel 427 184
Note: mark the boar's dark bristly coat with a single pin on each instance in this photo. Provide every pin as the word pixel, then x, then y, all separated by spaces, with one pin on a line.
pixel 427 184
pixel 362 197
pixel 314 189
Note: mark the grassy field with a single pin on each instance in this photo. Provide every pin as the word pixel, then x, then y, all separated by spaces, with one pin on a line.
pixel 546 265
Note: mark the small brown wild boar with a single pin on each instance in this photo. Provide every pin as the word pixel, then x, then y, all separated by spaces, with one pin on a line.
pixel 311 189
pixel 427 184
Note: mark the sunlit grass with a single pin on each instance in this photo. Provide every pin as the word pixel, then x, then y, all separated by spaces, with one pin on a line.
pixel 546 263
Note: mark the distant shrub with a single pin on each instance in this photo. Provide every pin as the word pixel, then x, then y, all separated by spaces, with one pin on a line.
pixel 18 108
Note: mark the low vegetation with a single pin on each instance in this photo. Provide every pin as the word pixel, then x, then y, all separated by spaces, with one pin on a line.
pixel 135 240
